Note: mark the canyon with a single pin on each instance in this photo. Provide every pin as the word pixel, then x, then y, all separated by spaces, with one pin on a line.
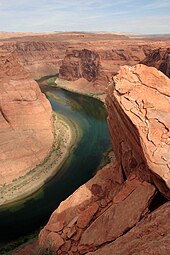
pixel 124 208
pixel 26 134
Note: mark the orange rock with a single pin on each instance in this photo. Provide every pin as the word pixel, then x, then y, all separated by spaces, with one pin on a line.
pixel 86 216
pixel 54 241
pixel 138 106
pixel 26 134
pixel 118 218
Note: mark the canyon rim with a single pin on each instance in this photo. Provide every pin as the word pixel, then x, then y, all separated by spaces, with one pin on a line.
pixel 85 128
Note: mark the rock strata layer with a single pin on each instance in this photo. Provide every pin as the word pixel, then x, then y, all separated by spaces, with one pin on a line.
pixel 121 210
pixel 26 135
pixel 159 58
pixel 138 105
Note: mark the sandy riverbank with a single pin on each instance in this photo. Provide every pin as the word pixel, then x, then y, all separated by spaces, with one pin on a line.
pixel 66 135
pixel 80 87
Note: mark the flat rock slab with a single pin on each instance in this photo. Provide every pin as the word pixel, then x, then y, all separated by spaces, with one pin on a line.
pixel 118 219
pixel 150 236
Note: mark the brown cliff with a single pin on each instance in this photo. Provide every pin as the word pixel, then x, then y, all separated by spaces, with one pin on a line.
pixel 159 58
pixel 38 57
pixel 138 105
pixel 121 210
pixel 83 65
pixel 26 135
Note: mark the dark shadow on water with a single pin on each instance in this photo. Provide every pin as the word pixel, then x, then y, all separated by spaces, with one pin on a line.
pixel 90 115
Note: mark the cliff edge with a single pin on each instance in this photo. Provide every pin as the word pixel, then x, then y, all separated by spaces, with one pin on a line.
pixel 26 135
pixel 124 208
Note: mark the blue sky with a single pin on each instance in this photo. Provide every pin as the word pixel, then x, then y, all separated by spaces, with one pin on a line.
pixel 136 16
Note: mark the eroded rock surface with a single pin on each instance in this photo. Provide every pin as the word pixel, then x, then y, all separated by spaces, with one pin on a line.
pixel 99 212
pixel 139 121
pixel 159 58
pixel 121 210
pixel 86 204
pixel 150 236
pixel 26 135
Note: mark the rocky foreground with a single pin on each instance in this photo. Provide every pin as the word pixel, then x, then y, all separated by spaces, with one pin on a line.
pixel 124 209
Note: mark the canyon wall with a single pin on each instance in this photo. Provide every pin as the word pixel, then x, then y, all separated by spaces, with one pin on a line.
pixel 159 58
pixel 26 135
pixel 38 57
pixel 138 105
pixel 124 208
pixel 43 55
pixel 98 65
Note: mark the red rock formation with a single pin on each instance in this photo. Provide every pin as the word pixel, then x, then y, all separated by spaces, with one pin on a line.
pixel 159 58
pixel 139 121
pixel 83 65
pixel 97 66
pixel 80 64
pixel 38 57
pixel 120 210
pixel 150 236
pixel 25 121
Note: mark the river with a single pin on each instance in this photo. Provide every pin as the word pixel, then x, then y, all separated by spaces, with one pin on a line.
pixel 25 216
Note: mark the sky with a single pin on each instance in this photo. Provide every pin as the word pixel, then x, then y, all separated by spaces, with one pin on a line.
pixel 129 16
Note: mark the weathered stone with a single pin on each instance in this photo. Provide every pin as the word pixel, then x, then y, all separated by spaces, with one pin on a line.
pixel 139 114
pixel 150 236
pixel 72 231
pixel 118 218
pixel 66 246
pixel 159 58
pixel 26 134
pixel 54 241
pixel 86 216
pixel 78 234
pixel 55 227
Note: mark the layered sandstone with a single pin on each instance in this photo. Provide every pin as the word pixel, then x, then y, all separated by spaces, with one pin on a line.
pixel 121 210
pixel 38 57
pixel 138 105
pixel 108 215
pixel 83 65
pixel 159 58
pixel 26 135
pixel 91 69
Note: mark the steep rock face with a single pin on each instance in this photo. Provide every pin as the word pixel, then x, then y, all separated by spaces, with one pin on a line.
pixel 112 59
pixel 38 57
pixel 85 64
pixel 159 58
pixel 139 121
pixel 80 64
pixel 98 65
pixel 26 135
pixel 121 210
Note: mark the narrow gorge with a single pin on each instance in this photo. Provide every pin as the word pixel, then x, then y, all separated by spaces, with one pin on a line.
pixel 120 209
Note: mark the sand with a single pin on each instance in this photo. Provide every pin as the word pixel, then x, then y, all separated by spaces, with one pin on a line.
pixel 80 87
pixel 66 135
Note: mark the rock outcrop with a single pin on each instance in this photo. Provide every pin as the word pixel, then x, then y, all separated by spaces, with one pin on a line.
pixel 83 65
pixel 123 209
pixel 26 135
pixel 139 121
pixel 159 58
pixel 38 57
pixel 97 66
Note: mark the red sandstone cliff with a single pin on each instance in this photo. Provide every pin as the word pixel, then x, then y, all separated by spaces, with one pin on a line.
pixel 121 210
pixel 159 58
pixel 26 135
pixel 38 57
pixel 98 65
